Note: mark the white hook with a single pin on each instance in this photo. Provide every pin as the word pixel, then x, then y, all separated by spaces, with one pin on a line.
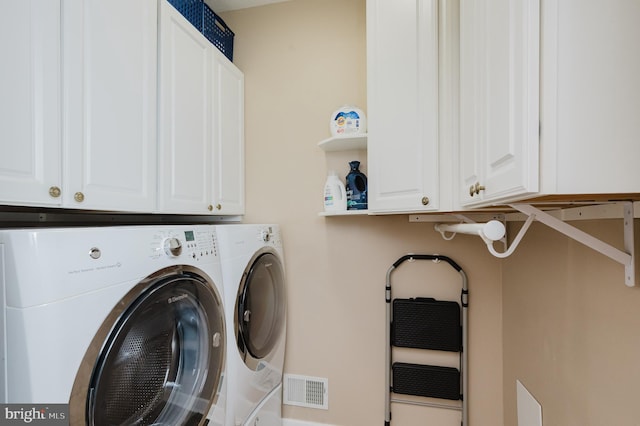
pixel 515 242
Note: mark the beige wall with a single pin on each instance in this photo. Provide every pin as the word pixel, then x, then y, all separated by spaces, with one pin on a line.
pixel 302 60
pixel 568 325
pixel 571 329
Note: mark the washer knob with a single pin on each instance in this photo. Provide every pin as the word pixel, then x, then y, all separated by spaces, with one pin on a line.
pixel 173 247
pixel 265 235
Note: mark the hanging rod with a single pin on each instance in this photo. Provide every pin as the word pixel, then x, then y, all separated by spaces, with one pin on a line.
pixel 489 232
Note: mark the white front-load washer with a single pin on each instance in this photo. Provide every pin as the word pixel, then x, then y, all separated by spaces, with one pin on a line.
pixel 125 324
pixel 252 262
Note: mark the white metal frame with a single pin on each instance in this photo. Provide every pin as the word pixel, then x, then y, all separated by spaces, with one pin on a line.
pixel 625 257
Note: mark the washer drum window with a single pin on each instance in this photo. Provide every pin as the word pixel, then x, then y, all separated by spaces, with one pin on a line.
pixel 159 359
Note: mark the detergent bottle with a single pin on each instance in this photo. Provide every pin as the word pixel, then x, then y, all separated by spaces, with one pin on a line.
pixel 335 195
pixel 356 188
pixel 348 120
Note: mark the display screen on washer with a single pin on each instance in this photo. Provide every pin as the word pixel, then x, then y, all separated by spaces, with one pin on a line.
pixel 188 235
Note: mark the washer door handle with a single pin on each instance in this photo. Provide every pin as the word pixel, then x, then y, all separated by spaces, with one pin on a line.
pixel 247 316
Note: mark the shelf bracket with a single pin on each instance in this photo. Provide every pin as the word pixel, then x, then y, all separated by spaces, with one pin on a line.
pixel 626 257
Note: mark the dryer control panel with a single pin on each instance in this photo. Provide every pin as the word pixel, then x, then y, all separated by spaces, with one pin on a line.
pixel 269 236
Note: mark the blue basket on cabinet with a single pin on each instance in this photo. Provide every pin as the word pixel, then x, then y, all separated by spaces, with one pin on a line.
pixel 217 32
pixel 208 23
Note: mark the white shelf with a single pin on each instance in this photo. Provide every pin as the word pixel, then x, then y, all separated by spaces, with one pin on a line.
pixel 344 143
pixel 345 213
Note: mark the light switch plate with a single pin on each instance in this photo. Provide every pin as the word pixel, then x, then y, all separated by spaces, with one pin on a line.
pixel 529 410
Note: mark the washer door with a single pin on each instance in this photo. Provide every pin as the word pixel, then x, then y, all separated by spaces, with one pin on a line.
pixel 260 308
pixel 161 357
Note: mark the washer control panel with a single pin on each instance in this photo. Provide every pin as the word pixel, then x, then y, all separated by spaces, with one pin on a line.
pixel 193 243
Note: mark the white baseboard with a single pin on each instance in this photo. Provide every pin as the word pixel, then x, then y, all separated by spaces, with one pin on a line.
pixel 293 422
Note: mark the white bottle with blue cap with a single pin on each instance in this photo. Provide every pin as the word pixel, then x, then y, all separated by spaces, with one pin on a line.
pixel 335 193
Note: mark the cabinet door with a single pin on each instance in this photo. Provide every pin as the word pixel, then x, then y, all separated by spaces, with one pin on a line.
pixel 499 98
pixel 402 63
pixel 110 107
pixel 590 103
pixel 30 102
pixel 228 146
pixel 185 116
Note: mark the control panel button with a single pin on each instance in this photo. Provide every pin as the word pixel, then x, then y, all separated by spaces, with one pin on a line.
pixel 172 247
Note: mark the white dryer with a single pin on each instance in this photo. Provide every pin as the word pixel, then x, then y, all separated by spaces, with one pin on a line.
pixel 255 300
pixel 125 324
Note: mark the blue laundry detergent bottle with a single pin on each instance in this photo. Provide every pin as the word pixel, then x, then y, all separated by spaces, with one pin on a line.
pixel 356 186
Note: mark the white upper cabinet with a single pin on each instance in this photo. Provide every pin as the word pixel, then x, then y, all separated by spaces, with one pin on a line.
pixel 30 141
pixel 499 92
pixel 549 101
pixel 403 113
pixel 110 106
pixel 78 107
pixel 93 118
pixel 590 97
pixel 185 137
pixel 228 136
pixel 201 138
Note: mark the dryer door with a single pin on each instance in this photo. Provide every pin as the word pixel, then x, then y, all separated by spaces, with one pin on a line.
pixel 159 360
pixel 260 314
